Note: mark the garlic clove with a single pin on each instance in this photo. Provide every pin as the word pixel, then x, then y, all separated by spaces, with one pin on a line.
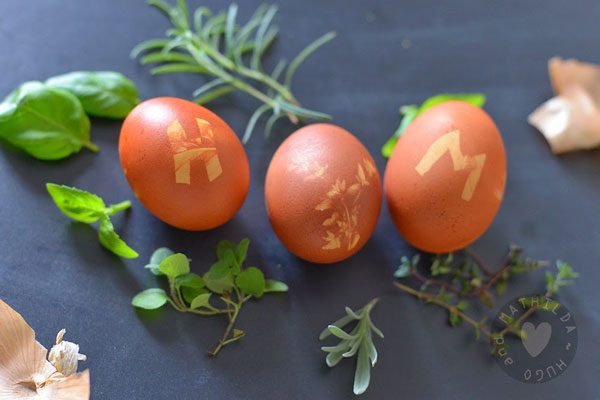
pixel 64 356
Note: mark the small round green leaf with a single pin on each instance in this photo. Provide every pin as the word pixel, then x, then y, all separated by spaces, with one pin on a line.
pixel 219 278
pixel 175 265
pixel 251 281
pixel 201 301
pixel 274 286
pixel 150 299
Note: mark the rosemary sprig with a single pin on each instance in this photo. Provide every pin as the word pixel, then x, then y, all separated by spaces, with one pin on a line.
pixel 226 279
pixel 461 283
pixel 358 341
pixel 231 53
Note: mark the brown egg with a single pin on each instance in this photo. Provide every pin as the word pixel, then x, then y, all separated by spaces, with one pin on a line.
pixel 184 163
pixel 323 193
pixel 445 179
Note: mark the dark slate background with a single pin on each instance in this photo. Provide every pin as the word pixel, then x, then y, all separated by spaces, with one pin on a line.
pixel 55 273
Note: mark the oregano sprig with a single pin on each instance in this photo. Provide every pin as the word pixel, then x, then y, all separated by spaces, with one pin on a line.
pixel 222 290
pixel 231 53
pixel 88 208
pixel 455 283
pixel 359 343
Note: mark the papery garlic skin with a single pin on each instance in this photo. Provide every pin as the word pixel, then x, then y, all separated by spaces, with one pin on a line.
pixel 571 120
pixel 65 356
pixel 568 122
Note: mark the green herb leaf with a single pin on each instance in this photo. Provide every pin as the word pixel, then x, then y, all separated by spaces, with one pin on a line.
pixel 175 265
pixel 45 122
pixel 157 257
pixel 251 281
pixel 102 94
pixel 201 301
pixel 241 250
pixel 150 299
pixel 190 280
pixel 111 240
pixel 223 247
pixel 404 269
pixel 274 286
pixel 76 203
pixel 219 278
pixel 190 293
pixel 409 113
pixel 358 342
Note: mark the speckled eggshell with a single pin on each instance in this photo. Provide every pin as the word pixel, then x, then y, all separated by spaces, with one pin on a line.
pixel 184 163
pixel 323 193
pixel 445 179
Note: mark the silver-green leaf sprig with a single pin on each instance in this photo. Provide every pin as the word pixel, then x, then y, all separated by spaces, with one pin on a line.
pixel 222 290
pixel 359 343
pixel 231 53
pixel 88 208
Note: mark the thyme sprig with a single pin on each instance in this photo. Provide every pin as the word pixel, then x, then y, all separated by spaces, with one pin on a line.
pixel 358 342
pixel 217 45
pixel 456 285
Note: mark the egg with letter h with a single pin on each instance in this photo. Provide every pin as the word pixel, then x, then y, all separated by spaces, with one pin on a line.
pixel 323 193
pixel 184 163
pixel 445 179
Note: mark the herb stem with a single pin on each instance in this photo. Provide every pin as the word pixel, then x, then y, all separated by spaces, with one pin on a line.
pixel 479 261
pixel 91 146
pixel 453 309
pixel 225 338
pixel 115 208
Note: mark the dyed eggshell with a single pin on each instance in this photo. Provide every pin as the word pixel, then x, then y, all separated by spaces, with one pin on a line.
pixel 184 163
pixel 445 179
pixel 323 193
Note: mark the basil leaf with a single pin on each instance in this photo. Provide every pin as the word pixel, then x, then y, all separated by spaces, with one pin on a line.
pixel 47 123
pixel 150 299
pixel 409 113
pixel 273 286
pixel 76 203
pixel 175 265
pixel 476 99
pixel 111 241
pixel 219 278
pixel 102 94
pixel 251 281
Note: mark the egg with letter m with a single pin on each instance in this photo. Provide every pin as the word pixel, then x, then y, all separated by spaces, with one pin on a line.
pixel 445 179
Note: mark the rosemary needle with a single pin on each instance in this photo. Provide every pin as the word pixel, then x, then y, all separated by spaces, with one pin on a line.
pixel 218 46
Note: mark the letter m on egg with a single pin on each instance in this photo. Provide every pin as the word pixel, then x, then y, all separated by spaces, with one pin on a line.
pixel 186 150
pixel 450 143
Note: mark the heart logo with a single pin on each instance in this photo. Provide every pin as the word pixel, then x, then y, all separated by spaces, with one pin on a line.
pixel 535 338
